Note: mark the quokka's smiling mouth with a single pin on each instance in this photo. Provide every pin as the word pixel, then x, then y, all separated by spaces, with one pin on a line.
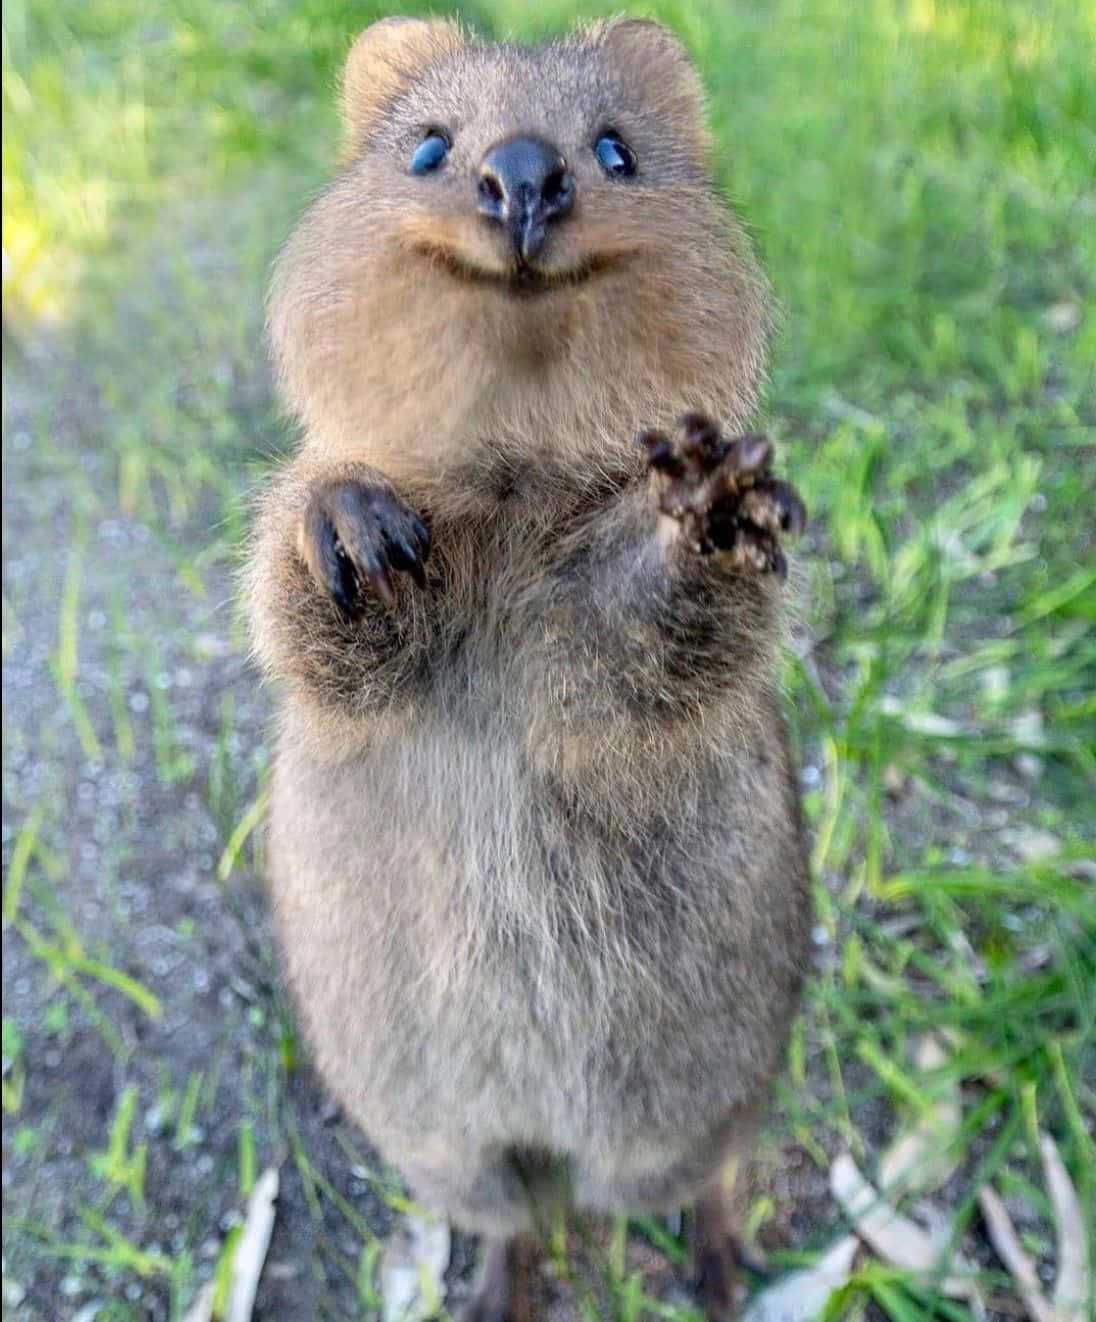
pixel 521 280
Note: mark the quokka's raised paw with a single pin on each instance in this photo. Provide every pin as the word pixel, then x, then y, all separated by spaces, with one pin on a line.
pixel 354 535
pixel 722 492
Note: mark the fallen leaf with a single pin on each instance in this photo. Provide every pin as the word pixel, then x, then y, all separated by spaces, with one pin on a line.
pixel 927 723
pixel 1007 1245
pixel 894 1237
pixel 803 1295
pixel 920 1160
pixel 201 1310
pixel 412 1270
pixel 1073 1285
pixel 248 1258
pixel 251 1247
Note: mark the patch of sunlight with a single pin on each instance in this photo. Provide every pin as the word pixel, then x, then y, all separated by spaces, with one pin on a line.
pixel 1022 37
pixel 923 15
pixel 37 281
pixel 51 218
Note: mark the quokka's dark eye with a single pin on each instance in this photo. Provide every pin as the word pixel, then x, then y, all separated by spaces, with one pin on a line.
pixel 615 155
pixel 430 153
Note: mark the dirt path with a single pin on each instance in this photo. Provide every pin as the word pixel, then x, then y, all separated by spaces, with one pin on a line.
pixel 130 817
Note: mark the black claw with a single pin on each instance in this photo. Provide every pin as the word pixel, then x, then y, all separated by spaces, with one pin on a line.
pixel 344 583
pixel 422 536
pixel 402 555
pixel 333 565
pixel 329 554
pixel 660 452
pixel 350 588
pixel 377 573
pixel 339 594
pixel 701 437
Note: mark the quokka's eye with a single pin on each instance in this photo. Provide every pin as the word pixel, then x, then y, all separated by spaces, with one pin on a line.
pixel 615 155
pixel 430 153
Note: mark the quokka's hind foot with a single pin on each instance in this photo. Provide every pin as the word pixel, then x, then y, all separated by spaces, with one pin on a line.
pixel 718 1253
pixel 504 1284
pixel 722 492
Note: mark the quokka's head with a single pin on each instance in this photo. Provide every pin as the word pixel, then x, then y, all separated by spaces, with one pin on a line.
pixel 517 223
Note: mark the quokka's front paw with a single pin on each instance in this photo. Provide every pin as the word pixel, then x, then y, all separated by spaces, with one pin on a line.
pixel 722 492
pixel 354 535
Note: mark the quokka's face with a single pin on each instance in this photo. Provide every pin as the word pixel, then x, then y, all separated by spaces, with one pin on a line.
pixel 541 214
pixel 518 169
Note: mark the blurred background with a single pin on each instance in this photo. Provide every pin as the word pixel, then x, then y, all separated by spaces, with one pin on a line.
pixel 919 177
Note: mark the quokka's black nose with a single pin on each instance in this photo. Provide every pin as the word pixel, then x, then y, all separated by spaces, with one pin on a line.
pixel 524 185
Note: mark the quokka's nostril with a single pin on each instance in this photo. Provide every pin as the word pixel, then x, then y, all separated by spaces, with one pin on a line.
pixel 554 187
pixel 490 190
pixel 557 193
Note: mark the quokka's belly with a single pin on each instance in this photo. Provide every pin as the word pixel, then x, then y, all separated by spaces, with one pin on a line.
pixel 468 955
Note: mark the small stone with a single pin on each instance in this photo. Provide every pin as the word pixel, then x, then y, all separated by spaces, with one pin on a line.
pixel 1033 845
pixel 14 1293
pixel 995 684
pixel 1063 317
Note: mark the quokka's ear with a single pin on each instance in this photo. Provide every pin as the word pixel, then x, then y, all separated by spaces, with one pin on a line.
pixel 658 63
pixel 384 58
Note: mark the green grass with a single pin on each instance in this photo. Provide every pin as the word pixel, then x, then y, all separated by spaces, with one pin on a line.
pixel 919 177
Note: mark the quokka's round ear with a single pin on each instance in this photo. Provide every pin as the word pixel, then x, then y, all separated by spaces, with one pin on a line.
pixel 384 58
pixel 661 67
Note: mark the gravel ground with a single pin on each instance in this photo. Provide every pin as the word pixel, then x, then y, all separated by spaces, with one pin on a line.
pixel 129 839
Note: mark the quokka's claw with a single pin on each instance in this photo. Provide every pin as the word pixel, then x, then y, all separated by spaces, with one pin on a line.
pixel 723 494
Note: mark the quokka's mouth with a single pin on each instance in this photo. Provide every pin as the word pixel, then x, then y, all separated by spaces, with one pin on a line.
pixel 521 280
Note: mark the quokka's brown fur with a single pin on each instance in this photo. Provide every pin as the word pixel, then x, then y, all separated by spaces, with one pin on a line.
pixel 534 839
